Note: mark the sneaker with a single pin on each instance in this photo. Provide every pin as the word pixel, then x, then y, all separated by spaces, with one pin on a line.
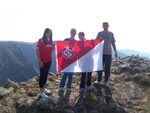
pixel 88 88
pixel 97 82
pixel 43 95
pixel 61 89
pixel 47 92
pixel 107 84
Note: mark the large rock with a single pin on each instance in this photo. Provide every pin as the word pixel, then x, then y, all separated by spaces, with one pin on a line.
pixel 130 65
pixel 5 92
pixel 45 104
pixel 97 100
pixel 10 83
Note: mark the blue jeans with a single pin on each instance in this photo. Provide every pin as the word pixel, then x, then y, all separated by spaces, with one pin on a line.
pixel 64 78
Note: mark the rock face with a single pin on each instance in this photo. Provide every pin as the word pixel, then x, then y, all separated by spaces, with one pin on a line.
pixel 131 65
pixel 128 93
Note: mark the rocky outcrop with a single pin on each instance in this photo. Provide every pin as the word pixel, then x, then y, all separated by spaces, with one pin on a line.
pixel 131 65
pixel 128 93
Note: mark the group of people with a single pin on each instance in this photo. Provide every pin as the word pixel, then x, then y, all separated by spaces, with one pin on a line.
pixel 44 50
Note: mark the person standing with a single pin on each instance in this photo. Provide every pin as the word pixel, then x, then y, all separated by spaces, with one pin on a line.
pixel 84 75
pixel 44 50
pixel 68 75
pixel 107 52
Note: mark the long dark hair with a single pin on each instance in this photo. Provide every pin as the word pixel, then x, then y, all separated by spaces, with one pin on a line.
pixel 44 36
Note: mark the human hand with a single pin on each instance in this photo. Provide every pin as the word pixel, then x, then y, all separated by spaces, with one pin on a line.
pixel 53 46
pixel 41 64
pixel 116 55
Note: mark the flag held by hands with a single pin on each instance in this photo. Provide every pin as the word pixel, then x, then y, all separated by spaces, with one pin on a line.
pixel 79 56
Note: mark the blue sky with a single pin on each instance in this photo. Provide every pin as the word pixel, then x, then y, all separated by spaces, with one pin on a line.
pixel 25 20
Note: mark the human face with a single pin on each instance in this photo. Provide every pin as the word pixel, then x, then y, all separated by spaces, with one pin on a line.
pixel 105 27
pixel 48 34
pixel 81 37
pixel 73 33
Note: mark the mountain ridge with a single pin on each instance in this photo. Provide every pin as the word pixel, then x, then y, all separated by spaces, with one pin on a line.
pixel 13 64
pixel 130 52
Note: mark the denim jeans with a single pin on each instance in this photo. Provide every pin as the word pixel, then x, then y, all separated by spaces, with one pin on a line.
pixel 64 78
pixel 107 63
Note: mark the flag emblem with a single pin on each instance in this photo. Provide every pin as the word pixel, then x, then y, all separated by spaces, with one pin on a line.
pixel 68 52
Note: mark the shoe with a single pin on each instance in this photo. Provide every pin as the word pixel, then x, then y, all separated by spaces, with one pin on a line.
pixel 61 89
pixel 97 82
pixel 47 92
pixel 107 84
pixel 43 95
pixel 88 88
pixel 82 89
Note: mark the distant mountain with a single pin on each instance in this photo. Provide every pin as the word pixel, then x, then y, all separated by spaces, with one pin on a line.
pixel 20 52
pixel 29 51
pixel 120 54
pixel 132 52
pixel 13 64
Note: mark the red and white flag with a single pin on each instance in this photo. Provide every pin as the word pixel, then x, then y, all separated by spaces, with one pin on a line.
pixel 79 56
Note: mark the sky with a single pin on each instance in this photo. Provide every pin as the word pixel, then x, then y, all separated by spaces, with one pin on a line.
pixel 26 20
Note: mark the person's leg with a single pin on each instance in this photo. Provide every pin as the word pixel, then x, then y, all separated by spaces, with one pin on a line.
pixel 41 82
pixel 47 67
pixel 107 67
pixel 63 80
pixel 41 78
pixel 83 77
pixel 101 71
pixel 99 76
pixel 70 80
pixel 89 78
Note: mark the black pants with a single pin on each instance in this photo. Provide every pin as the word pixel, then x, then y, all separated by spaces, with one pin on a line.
pixel 43 74
pixel 107 63
pixel 83 77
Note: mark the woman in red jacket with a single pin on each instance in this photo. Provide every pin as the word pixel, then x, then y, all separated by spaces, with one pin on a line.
pixel 44 53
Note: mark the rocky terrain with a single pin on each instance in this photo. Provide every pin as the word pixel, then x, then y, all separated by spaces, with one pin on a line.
pixel 129 92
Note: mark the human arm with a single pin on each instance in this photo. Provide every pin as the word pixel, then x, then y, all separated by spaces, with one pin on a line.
pixel 38 54
pixel 39 58
pixel 114 47
pixel 99 35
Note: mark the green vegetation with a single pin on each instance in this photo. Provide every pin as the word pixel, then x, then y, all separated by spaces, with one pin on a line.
pixel 13 64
